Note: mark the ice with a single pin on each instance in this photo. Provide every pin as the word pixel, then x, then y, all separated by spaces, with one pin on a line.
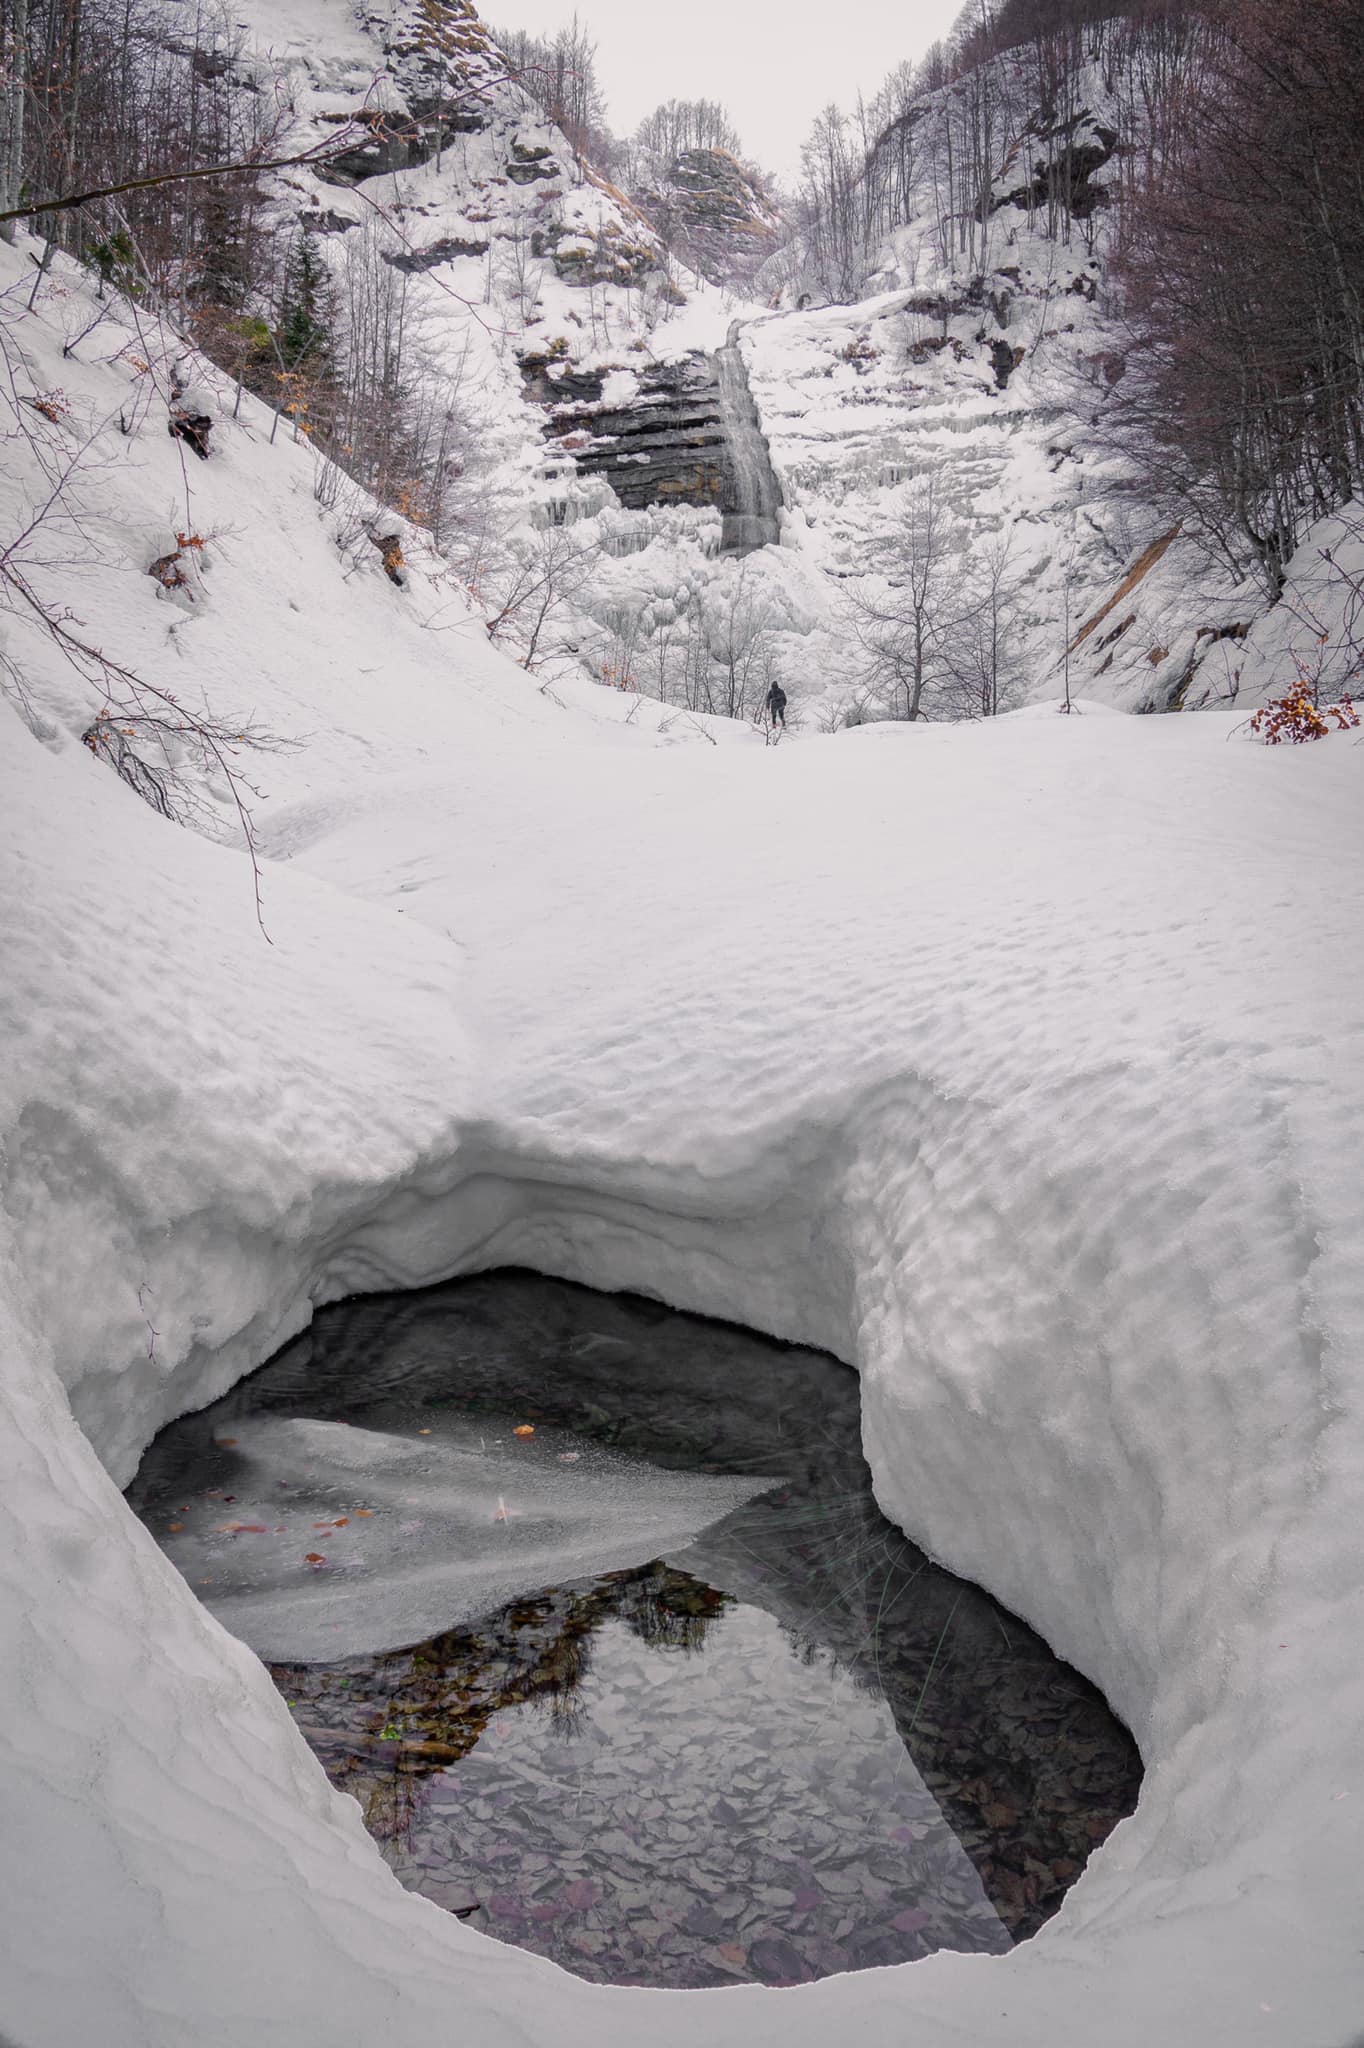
pixel 752 521
pixel 451 1529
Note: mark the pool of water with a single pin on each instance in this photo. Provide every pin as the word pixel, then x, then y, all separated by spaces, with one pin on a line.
pixel 747 1732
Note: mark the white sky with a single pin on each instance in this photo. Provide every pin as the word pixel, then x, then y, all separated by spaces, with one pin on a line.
pixel 774 63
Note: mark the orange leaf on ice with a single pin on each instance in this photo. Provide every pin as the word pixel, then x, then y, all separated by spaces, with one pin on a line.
pixel 524 1429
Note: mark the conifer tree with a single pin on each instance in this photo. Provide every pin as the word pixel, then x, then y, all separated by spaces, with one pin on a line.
pixel 307 311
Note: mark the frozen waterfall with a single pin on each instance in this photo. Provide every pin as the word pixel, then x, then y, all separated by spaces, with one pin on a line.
pixel 754 497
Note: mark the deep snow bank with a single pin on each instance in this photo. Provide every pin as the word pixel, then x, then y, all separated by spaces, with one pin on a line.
pixel 1019 1065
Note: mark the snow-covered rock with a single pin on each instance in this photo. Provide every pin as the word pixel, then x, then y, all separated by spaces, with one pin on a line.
pixel 717 214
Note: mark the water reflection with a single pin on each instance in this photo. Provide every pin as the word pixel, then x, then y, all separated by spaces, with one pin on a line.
pixel 789 1748
pixel 385 1724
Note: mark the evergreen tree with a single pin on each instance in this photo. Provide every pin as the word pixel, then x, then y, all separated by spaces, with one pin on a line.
pixel 307 312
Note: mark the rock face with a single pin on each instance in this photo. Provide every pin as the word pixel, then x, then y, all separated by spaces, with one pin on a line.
pixel 1073 154
pixel 666 445
pixel 532 165
pixel 715 214
pixel 609 254
pixel 387 142
pixel 441 69
pixel 688 434
pixel 437 50
pixel 414 261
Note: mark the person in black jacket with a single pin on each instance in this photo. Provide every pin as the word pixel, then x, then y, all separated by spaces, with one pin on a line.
pixel 776 705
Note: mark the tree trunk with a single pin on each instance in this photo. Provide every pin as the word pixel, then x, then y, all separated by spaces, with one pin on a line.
pixel 13 87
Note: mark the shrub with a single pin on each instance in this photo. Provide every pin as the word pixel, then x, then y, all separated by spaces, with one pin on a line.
pixel 1298 718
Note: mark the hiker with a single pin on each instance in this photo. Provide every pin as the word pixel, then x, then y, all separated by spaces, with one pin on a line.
pixel 776 705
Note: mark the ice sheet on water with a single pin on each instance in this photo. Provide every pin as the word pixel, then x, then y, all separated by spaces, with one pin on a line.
pixel 323 1540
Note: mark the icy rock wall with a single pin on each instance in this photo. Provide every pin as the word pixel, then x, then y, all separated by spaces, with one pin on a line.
pixel 986 348
pixel 665 445
pixel 717 216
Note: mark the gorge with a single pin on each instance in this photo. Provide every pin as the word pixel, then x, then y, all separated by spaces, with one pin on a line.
pixel 402 887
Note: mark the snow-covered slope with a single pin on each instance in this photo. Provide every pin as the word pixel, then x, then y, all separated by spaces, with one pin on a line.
pixel 1018 1064
pixel 543 310
pixel 985 355
pixel 436 166
pixel 984 352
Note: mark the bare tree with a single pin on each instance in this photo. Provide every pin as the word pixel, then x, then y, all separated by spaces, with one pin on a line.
pixel 670 132
pixel 1244 269
pixel 161 747
pixel 540 576
pixel 903 616
pixel 13 96
pixel 739 623
pixel 560 74
pixel 620 644
pixel 983 674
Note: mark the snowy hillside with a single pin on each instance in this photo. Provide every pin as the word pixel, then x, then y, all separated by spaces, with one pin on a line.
pixel 509 245
pixel 546 317
pixel 1017 1063
pixel 566 373
pixel 981 353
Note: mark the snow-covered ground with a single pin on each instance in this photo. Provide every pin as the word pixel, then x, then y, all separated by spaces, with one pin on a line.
pixel 1018 1064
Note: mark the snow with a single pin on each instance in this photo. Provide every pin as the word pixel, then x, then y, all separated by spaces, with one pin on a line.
pixel 857 402
pixel 1314 633
pixel 1017 1064
pixel 854 401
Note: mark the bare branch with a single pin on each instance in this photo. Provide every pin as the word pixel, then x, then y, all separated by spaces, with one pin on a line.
pixel 319 153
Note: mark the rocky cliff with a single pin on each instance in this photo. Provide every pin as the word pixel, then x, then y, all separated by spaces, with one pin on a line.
pixel 715 213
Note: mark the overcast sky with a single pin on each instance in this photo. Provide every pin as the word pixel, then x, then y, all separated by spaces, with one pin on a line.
pixel 773 63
